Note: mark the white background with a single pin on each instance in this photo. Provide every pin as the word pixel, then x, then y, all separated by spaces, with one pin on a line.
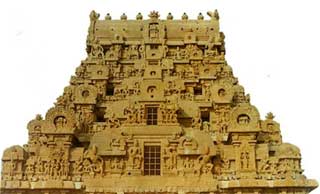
pixel 272 45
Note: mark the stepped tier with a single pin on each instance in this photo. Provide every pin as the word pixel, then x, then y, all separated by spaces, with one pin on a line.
pixel 154 108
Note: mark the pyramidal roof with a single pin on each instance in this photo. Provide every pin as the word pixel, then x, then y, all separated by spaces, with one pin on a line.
pixel 154 108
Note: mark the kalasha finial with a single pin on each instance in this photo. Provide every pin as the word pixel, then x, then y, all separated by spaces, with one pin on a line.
pixel 108 17
pixel 139 16
pixel 169 16
pixel 184 16
pixel 200 16
pixel 154 15
pixel 123 16
pixel 270 116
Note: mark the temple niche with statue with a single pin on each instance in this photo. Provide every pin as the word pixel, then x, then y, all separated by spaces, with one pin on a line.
pixel 154 108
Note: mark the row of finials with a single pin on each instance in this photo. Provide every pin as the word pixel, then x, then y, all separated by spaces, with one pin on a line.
pixel 155 15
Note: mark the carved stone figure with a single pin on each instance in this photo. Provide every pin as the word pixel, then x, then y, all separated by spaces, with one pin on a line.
pixel 204 164
pixel 93 164
pixel 197 121
pixel 114 52
pixel 117 164
pixel 170 157
pixel 154 31
pixel 244 157
pixel 135 156
pixel 131 113
pixel 113 122
pixel 180 54
pixel 243 119
pixel 97 51
pixel 188 164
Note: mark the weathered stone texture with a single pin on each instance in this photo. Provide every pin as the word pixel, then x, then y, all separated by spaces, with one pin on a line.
pixel 154 108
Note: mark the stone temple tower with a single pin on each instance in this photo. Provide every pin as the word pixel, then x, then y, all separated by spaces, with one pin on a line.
pixel 154 108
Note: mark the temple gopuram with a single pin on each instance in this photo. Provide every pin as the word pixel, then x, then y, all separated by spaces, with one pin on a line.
pixel 155 109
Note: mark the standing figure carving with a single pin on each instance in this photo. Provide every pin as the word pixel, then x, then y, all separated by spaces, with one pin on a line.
pixel 135 156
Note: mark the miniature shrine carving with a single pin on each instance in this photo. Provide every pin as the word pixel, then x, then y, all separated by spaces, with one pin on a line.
pixel 154 108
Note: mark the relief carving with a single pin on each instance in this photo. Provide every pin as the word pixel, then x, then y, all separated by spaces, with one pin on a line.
pixel 204 164
pixel 113 122
pixel 59 119
pixel 168 112
pixel 84 119
pixel 114 52
pixel 170 157
pixel 93 164
pixel 135 113
pixel 12 163
pixel 154 108
pixel 97 51
pixel 135 156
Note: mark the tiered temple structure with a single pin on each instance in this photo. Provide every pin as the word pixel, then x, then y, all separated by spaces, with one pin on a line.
pixel 154 108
